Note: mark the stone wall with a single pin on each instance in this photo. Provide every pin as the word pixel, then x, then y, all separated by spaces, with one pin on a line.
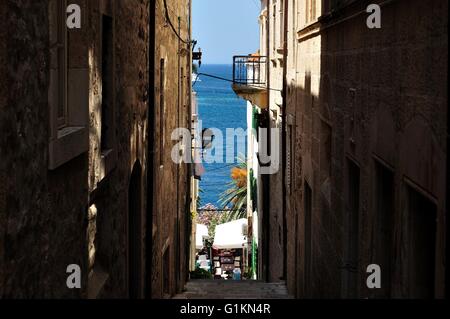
pixel 110 175
pixel 172 110
pixel 367 100
pixel 3 175
pixel 273 257
pixel 42 223
pixel 91 210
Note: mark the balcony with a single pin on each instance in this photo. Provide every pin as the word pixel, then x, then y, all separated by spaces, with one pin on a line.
pixel 250 80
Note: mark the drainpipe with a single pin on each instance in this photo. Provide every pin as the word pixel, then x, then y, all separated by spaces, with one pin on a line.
pixel 284 135
pixel 150 151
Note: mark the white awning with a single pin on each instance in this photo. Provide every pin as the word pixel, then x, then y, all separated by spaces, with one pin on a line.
pixel 202 231
pixel 231 235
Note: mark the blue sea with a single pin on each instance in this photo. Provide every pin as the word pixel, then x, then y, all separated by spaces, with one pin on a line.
pixel 219 107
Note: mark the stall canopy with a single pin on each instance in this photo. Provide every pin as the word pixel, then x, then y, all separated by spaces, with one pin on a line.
pixel 231 235
pixel 202 231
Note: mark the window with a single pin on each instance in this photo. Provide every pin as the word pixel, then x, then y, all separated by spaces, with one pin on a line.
pixel 384 219
pixel 310 11
pixel 68 92
pixel 281 28
pixel 107 150
pixel 62 56
pixel 162 107
pixel 307 8
pixel 135 236
pixel 421 244
pixel 274 26
pixel 294 25
pixel 262 35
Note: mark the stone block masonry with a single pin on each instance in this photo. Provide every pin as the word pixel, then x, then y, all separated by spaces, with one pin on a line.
pixel 370 107
pixel 74 145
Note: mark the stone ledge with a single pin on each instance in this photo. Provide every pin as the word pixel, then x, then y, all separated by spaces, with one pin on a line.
pixel 70 143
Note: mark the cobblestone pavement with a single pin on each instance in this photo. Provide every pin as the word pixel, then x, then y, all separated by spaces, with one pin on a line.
pixel 227 289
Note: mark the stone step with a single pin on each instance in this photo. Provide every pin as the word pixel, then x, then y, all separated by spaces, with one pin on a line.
pixel 228 289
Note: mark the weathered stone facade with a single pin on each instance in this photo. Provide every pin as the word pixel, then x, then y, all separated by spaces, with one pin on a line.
pixel 367 148
pixel 171 182
pixel 3 104
pixel 274 51
pixel 75 185
pixel 41 225
pixel 271 221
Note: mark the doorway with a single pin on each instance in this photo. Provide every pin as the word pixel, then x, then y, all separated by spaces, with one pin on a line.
pixel 422 214
pixel 135 273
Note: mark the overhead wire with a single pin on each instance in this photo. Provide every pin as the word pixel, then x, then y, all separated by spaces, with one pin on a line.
pixel 229 80
pixel 169 21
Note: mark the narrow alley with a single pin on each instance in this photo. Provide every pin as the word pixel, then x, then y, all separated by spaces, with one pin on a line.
pixel 208 289
pixel 237 149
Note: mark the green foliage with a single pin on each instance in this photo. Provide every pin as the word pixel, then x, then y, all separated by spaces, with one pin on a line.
pixel 218 219
pixel 193 216
pixel 200 273
pixel 248 274
pixel 236 194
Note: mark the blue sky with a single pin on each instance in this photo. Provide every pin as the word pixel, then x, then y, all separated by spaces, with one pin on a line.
pixel 224 28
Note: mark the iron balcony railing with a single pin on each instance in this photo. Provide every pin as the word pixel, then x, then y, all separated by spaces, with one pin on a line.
pixel 250 70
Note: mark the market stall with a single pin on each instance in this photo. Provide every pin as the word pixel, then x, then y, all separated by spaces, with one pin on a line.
pixel 230 241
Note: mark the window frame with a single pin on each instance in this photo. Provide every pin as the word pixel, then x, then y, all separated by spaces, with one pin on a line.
pixel 108 152
pixel 274 26
pixel 68 90
pixel 281 24
pixel 63 63
pixel 310 12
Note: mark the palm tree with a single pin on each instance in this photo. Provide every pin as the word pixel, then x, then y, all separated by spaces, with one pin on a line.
pixel 236 194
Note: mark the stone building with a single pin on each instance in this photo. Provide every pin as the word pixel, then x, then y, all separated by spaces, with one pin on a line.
pixel 86 120
pixel 366 148
pixel 172 84
pixel 271 24
pixel 363 118
pixel 258 78
pixel 264 111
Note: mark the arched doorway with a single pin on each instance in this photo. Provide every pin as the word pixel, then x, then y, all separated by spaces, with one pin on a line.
pixel 135 245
